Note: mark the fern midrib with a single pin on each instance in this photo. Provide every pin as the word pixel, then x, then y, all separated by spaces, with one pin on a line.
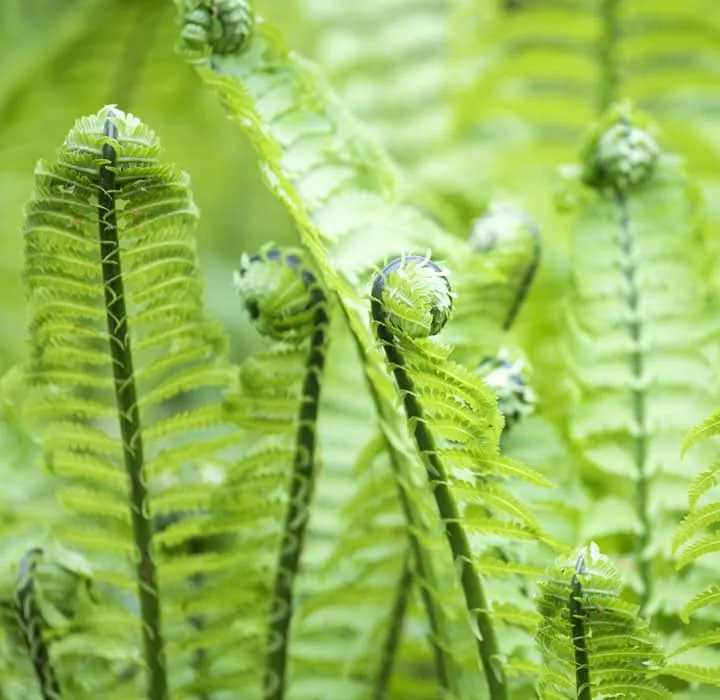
pixel 579 638
pixel 476 602
pixel 635 331
pixel 296 518
pixel 30 622
pixel 129 420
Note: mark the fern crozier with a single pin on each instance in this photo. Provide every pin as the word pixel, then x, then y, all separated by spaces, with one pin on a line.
pixel 416 294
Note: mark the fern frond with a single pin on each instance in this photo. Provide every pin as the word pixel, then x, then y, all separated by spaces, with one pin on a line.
pixel 593 642
pixel 344 194
pixel 129 302
pixel 389 61
pixel 287 303
pixel 411 301
pixel 639 383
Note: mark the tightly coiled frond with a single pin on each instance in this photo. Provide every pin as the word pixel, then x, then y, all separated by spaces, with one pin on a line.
pixel 621 152
pixel 593 641
pixel 456 427
pixel 416 296
pixel 514 397
pixel 215 26
pixel 286 302
pixel 279 295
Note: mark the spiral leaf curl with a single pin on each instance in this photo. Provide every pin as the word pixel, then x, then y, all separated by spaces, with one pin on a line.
pixel 215 26
pixel 423 314
pixel 287 303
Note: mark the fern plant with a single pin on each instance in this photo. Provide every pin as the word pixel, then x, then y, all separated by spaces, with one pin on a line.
pixel 348 512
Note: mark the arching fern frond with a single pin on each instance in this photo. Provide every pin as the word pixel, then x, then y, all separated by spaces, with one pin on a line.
pixel 345 196
pixel 593 641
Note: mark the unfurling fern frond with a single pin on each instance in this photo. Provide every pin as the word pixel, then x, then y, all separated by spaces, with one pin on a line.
pixel 593 642
pixel 508 243
pixel 456 428
pixel 638 331
pixel 124 389
pixel 286 302
pixel 345 195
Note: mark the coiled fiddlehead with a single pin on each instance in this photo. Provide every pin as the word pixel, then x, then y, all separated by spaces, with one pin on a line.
pixel 30 622
pixel 286 302
pixel 513 237
pixel 412 298
pixel 515 398
pixel 217 26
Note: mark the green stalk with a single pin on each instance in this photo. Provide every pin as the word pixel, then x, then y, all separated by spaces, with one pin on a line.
pixel 129 419
pixel 627 251
pixel 30 622
pixel 475 599
pixel 296 518
pixel 423 564
pixel 577 622
pixel 395 630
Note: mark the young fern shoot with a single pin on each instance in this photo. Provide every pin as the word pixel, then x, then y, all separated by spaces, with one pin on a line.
pixel 30 622
pixel 128 410
pixel 287 303
pixel 411 297
pixel 593 642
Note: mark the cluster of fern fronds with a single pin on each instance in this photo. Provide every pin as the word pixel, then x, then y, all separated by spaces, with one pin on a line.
pixel 454 468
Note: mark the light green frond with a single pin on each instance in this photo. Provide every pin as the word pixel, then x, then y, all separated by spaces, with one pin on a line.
pixel 593 642
pixel 640 383
pixel 707 429
pixel 205 511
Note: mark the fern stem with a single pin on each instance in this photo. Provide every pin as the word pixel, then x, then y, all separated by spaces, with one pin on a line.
pixel 627 252
pixel 296 518
pixel 526 281
pixel 577 623
pixel 129 419
pixel 475 598
pixel 395 630
pixel 30 622
pixel 607 54
pixel 423 565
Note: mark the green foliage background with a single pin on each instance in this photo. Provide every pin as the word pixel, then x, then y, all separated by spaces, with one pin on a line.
pixel 478 102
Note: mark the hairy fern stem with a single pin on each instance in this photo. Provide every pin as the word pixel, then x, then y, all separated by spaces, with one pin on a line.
pixel 476 601
pixel 607 54
pixel 579 638
pixel 301 492
pixel 627 255
pixel 30 622
pixel 395 630
pixel 129 419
